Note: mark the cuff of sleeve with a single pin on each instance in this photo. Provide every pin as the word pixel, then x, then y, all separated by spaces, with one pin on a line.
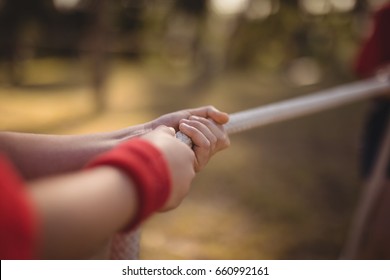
pixel 18 217
pixel 147 168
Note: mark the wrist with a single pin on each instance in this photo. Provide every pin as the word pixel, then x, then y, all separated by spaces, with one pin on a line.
pixel 147 168
pixel 128 133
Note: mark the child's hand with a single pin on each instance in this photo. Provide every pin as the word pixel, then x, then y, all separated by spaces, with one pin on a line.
pixel 173 119
pixel 207 136
pixel 204 126
pixel 180 159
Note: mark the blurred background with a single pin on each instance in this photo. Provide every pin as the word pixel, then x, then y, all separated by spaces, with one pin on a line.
pixel 285 191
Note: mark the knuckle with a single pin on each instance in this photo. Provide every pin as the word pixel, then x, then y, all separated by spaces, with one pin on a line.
pixel 213 140
pixel 206 143
pixel 225 141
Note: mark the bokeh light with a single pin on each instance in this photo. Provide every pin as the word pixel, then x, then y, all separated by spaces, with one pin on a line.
pixel 315 7
pixel 343 5
pixel 66 4
pixel 304 71
pixel 261 9
pixel 229 7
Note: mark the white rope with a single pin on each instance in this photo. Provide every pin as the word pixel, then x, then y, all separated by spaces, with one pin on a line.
pixel 302 106
pixel 127 246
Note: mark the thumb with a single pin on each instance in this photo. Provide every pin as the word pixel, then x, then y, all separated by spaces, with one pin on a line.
pixel 218 116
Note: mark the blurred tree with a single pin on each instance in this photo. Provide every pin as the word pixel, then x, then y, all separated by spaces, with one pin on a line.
pixel 47 27
pixel 201 38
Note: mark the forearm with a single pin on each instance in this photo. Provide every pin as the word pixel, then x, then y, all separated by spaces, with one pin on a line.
pixel 119 190
pixel 38 155
pixel 79 212
pixel 41 155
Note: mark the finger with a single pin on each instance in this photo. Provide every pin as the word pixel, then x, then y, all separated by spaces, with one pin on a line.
pixel 197 137
pixel 201 145
pixel 204 129
pixel 210 112
pixel 218 117
pixel 218 131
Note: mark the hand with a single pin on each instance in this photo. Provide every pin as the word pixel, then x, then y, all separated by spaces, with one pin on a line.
pixel 173 119
pixel 180 159
pixel 204 126
pixel 207 137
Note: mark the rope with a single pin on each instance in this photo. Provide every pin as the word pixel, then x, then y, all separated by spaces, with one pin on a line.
pixel 127 246
pixel 302 106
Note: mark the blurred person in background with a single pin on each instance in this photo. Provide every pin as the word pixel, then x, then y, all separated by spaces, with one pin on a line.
pixel 63 197
pixel 374 59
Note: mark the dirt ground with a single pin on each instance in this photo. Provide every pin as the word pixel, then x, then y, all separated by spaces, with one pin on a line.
pixel 285 191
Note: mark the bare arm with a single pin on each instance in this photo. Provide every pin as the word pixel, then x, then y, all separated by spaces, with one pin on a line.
pixel 80 212
pixel 39 155
pixel 36 155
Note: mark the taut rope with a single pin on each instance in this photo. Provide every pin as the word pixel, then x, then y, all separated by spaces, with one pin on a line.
pixel 301 106
pixel 127 246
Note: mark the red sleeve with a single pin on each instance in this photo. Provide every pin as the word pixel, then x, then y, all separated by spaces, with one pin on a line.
pixel 375 50
pixel 18 223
